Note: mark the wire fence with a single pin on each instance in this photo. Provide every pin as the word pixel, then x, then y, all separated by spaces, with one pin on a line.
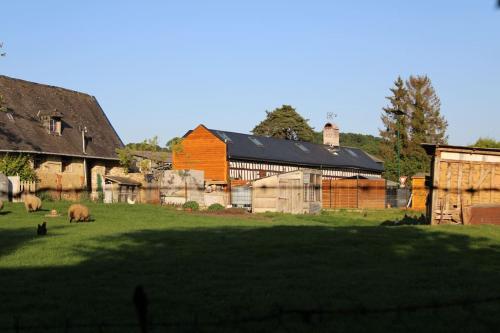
pixel 280 318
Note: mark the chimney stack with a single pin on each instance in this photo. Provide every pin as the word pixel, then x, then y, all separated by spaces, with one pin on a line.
pixel 331 135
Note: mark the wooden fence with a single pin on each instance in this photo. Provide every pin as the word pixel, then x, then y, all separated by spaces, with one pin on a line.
pixel 353 193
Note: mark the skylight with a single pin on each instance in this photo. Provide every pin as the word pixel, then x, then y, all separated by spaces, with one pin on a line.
pixel 224 136
pixel 255 141
pixel 352 153
pixel 302 147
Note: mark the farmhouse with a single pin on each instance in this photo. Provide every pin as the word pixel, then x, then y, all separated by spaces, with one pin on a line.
pixel 465 185
pixel 229 159
pixel 69 139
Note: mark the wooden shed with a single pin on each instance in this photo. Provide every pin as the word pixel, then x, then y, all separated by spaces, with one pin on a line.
pixel 296 192
pixel 120 189
pixel 465 185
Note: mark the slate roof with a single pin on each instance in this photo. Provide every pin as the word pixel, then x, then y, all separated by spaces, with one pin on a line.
pixel 244 147
pixel 22 131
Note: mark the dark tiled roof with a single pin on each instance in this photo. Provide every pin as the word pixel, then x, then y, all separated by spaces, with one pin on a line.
pixel 22 130
pixel 260 148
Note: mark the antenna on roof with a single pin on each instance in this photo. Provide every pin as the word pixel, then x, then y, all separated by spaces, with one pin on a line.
pixel 330 115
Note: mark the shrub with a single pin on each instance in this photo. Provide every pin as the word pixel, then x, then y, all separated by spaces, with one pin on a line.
pixel 215 207
pixel 191 204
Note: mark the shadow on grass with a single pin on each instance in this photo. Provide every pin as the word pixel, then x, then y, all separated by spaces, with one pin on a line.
pixel 223 273
pixel 407 220
pixel 5 212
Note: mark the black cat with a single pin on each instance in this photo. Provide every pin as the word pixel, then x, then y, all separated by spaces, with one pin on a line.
pixel 42 229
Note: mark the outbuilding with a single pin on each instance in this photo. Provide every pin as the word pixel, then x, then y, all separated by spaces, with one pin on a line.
pixel 296 192
pixel 465 185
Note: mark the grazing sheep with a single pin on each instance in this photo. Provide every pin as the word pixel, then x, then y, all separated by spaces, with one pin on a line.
pixel 78 213
pixel 32 203
pixel 42 229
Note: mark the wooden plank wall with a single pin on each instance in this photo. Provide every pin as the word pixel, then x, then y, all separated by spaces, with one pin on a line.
pixel 201 150
pixel 353 193
pixel 460 184
pixel 419 193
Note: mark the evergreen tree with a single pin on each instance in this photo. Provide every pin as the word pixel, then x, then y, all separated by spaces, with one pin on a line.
pixel 421 122
pixel 285 123
pixel 394 124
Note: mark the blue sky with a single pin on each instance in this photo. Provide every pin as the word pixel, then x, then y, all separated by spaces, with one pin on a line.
pixel 161 68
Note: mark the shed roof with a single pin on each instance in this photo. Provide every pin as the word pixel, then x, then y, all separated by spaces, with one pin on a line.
pixel 22 131
pixel 431 149
pixel 260 148
pixel 122 180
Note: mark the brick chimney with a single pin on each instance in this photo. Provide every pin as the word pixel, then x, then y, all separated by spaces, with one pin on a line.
pixel 331 135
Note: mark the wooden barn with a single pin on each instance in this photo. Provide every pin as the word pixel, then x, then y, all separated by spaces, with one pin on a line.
pixel 229 157
pixel 296 192
pixel 465 185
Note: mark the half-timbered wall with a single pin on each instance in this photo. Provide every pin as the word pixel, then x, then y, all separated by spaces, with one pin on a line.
pixel 254 170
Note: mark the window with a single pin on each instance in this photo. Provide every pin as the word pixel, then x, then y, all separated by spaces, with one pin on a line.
pixel 224 136
pixel 302 147
pixel 352 153
pixel 312 189
pixel 255 141
pixel 66 164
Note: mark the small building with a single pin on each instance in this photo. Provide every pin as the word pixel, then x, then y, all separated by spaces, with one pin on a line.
pixel 120 189
pixel 146 161
pixel 68 138
pixel 230 159
pixel 296 192
pixel 465 185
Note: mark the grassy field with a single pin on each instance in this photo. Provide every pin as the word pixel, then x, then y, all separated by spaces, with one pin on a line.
pixel 213 273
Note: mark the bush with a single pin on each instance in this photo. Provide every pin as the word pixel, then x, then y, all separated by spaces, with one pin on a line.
pixel 191 204
pixel 215 207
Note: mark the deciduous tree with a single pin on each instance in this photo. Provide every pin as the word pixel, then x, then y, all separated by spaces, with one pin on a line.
pixel 285 123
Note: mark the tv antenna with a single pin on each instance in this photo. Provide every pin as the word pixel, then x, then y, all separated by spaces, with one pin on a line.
pixel 330 115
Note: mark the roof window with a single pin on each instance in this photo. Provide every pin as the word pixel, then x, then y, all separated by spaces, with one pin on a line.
pixel 224 136
pixel 302 147
pixel 255 141
pixel 352 153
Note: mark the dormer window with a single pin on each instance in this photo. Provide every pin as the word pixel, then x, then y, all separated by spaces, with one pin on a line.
pixel 52 121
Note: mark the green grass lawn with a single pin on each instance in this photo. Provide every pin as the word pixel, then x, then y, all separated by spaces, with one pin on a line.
pixel 199 268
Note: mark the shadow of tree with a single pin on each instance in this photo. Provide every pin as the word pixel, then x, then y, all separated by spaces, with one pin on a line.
pixel 229 272
pixel 407 220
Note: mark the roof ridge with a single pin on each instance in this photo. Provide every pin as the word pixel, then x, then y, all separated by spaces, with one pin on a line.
pixel 46 85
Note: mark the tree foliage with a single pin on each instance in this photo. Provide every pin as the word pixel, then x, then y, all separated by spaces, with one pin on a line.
pixel 174 144
pixel 285 123
pixel 18 165
pixel 366 142
pixel 414 115
pixel 486 143
pixel 146 145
